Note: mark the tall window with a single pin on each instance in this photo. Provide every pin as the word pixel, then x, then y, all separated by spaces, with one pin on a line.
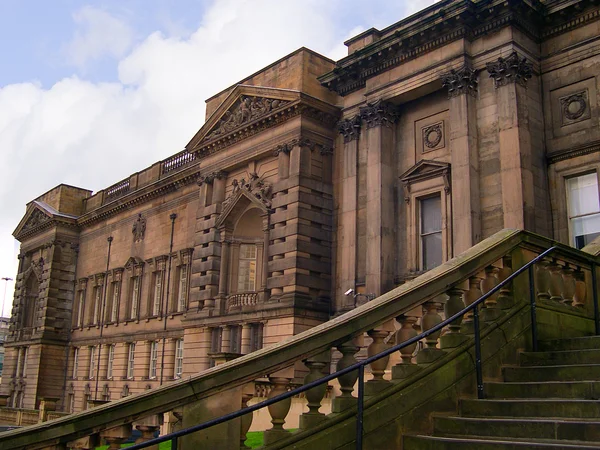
pixel 430 232
pixel 116 296
pixel 80 306
pixel 153 359
pixel 110 362
pixel 24 368
pixel 256 337
pixel 182 300
pixel 97 303
pixel 584 209
pixel 156 303
pixel 75 361
pixel 235 342
pixel 92 362
pixel 247 268
pixel 130 361
pixel 178 358
pixel 135 296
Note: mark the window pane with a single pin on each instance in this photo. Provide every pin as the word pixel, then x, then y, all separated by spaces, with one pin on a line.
pixel 585 229
pixel 431 215
pixel 432 250
pixel 583 195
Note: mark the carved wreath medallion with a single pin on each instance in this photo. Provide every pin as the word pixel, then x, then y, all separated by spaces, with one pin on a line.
pixel 432 135
pixel 574 106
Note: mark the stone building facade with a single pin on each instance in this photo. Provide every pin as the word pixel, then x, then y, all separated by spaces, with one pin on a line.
pixel 310 178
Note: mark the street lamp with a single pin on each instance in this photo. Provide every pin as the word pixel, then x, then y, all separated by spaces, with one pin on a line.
pixel 6 280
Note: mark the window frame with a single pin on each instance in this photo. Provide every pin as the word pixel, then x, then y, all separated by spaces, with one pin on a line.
pixel 92 362
pixel 75 363
pixel 110 362
pixel 567 197
pixel 153 360
pixel 178 364
pixel 130 361
pixel 420 244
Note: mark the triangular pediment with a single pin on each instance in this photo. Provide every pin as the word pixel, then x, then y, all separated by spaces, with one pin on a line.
pixel 35 217
pixel 244 107
pixel 425 169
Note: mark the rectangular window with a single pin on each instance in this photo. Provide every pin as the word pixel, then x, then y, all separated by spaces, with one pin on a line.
pixel 135 297
pixel 153 359
pixel 80 303
pixel 75 361
pixel 256 337
pixel 71 403
pixel 130 361
pixel 156 304
pixel 430 232
pixel 215 339
pixel 114 310
pixel 110 362
pixel 584 209
pixel 235 343
pixel 178 358
pixel 24 369
pixel 182 300
pixel 97 304
pixel 247 268
pixel 92 362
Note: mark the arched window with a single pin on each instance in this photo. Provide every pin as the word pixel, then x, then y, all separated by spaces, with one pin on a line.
pixel 247 254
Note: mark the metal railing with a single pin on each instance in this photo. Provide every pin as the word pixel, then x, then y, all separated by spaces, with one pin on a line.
pixel 360 366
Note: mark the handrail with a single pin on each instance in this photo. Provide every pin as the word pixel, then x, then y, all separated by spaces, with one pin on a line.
pixel 361 364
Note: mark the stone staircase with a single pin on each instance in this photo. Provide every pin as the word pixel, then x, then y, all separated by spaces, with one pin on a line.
pixel 551 400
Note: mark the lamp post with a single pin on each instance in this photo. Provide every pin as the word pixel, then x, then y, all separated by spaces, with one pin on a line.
pixel 6 280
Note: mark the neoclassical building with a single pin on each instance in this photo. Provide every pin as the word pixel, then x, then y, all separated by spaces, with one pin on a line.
pixel 310 180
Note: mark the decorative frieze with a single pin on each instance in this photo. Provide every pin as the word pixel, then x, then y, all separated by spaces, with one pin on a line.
pixel 513 69
pixel 36 218
pixel 461 81
pixel 350 128
pixel 432 136
pixel 287 147
pixel 379 113
pixel 255 186
pixel 138 229
pixel 574 107
pixel 211 177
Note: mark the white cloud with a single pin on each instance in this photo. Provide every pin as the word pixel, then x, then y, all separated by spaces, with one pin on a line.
pixel 98 34
pixel 94 134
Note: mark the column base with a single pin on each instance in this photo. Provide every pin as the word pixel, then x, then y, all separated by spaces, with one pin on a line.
pixel 271 436
pixel 402 371
pixel 374 387
pixel 429 355
pixel 452 340
pixel 340 404
pixel 491 314
pixel 505 302
pixel 311 420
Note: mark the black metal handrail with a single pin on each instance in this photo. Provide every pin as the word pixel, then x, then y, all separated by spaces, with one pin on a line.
pixel 360 366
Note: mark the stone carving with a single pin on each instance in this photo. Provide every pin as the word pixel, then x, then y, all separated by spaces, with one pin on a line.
pixel 247 109
pixel 254 186
pixel 432 135
pixel 37 218
pixel 461 81
pixel 574 106
pixel 350 128
pixel 211 177
pixel 139 229
pixel 379 113
pixel 284 148
pixel 38 267
pixel 302 142
pixel 513 69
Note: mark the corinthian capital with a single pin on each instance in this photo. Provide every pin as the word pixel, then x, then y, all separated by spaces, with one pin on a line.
pixel 350 128
pixel 513 69
pixel 461 81
pixel 379 113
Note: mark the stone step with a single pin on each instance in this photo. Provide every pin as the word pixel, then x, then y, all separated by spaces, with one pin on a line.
pixel 578 343
pixel 564 357
pixel 559 408
pixel 464 443
pixel 575 372
pixel 589 390
pixel 528 428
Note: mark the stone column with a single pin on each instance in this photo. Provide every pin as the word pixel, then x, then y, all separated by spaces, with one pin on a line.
pixel 265 268
pixel 350 131
pixel 246 330
pixel 223 273
pixel 466 211
pixel 226 339
pixel 516 172
pixel 380 118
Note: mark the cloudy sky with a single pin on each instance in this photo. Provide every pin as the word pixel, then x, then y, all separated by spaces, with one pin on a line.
pixel 91 91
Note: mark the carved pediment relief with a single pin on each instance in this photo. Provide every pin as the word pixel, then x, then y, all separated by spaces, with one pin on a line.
pixel 425 170
pixel 253 191
pixel 38 217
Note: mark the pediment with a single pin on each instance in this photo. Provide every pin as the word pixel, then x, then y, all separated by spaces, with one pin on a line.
pixel 35 218
pixel 245 106
pixel 254 192
pixel 425 169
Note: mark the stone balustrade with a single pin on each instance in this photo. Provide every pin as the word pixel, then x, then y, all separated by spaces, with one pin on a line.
pixel 562 280
pixel 177 161
pixel 238 301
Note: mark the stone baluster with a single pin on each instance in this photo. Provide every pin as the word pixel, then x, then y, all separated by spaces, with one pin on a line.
pixel 315 395
pixel 378 345
pixel 505 298
pixel 345 399
pixel 279 410
pixel 471 296
pixel 114 437
pixel 579 298
pixel 491 311
pixel 556 281
pixel 453 305
pixel 568 284
pixel 429 320
pixel 246 419
pixel 148 427
pixel 85 443
pixel 407 331
pixel 542 279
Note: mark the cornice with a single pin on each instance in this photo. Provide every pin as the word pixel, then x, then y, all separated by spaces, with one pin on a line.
pixel 50 223
pixel 563 155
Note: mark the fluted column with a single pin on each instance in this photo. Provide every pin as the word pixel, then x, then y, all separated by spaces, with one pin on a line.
pixel 466 215
pixel 380 118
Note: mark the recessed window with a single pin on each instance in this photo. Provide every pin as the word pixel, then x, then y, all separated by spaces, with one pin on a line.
pixel 130 361
pixel 153 359
pixel 81 303
pixel 156 304
pixel 178 358
pixel 430 232
pixel 134 300
pixel 92 362
pixel 247 268
pixel 584 209
pixel 114 310
pixel 111 360
pixel 182 300
pixel 75 362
